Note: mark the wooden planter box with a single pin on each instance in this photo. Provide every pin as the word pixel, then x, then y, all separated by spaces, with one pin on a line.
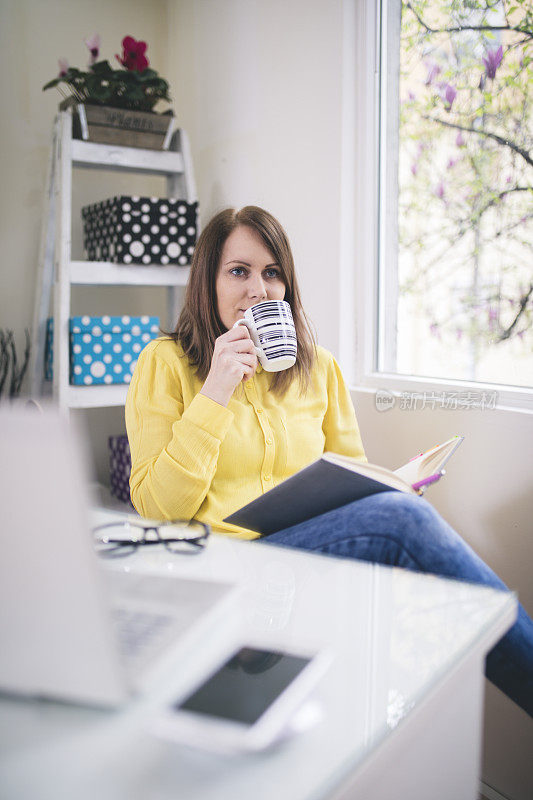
pixel 119 126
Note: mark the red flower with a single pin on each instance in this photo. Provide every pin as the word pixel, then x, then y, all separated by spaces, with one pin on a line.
pixel 133 54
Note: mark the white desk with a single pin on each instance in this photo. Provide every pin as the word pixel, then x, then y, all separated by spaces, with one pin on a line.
pixel 402 702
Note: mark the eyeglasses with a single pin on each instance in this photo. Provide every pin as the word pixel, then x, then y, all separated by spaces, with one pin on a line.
pixel 116 539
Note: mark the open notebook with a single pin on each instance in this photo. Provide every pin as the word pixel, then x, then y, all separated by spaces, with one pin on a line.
pixel 335 480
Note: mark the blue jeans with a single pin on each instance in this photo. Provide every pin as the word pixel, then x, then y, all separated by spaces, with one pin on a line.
pixel 405 531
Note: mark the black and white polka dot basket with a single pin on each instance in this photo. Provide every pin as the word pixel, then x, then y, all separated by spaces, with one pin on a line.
pixel 140 230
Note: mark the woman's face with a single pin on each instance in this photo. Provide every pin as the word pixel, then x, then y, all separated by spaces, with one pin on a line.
pixel 247 274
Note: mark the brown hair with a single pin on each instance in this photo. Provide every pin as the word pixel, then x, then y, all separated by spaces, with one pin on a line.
pixel 199 323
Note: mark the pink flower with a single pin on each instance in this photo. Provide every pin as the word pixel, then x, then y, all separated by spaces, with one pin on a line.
pixel 433 70
pixel 448 93
pixel 460 140
pixel 63 67
pixel 133 54
pixel 451 163
pixel 439 190
pixel 93 43
pixel 414 167
pixel 492 61
pixel 411 95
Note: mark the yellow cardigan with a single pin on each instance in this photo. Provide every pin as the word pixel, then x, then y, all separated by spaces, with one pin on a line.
pixel 192 457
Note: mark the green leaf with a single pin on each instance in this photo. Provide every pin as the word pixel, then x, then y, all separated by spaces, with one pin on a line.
pixel 102 68
pixel 148 73
pixel 52 83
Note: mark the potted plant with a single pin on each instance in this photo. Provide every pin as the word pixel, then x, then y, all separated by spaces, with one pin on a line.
pixel 116 106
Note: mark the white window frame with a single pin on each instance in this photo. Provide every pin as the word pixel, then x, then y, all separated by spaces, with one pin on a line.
pixel 364 214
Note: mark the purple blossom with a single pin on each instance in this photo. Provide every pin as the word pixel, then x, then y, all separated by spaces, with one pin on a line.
pixel 411 95
pixel 451 163
pixel 508 179
pixel 460 140
pixel 434 329
pixel 448 93
pixel 492 61
pixel 439 190
pixel 63 67
pixel 414 167
pixel 93 43
pixel 433 70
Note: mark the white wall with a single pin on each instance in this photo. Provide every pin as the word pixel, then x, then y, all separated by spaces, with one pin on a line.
pixel 33 35
pixel 487 497
pixel 258 86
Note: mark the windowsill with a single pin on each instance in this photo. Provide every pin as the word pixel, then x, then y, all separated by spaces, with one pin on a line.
pixel 449 394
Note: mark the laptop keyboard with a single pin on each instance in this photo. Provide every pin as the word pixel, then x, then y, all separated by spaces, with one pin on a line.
pixel 140 631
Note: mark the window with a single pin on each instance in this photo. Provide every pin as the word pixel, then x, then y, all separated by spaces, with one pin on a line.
pixel 454 286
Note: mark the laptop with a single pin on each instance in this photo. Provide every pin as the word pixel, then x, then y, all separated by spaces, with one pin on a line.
pixel 71 627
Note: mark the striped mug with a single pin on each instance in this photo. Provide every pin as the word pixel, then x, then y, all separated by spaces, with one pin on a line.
pixel 272 331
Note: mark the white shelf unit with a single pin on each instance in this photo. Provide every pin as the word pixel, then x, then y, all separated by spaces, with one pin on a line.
pixel 58 272
pixel 95 273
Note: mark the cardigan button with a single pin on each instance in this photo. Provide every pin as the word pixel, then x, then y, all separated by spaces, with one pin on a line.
pixel 266 477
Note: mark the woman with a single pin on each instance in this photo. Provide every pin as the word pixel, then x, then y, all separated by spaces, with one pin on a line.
pixel 210 430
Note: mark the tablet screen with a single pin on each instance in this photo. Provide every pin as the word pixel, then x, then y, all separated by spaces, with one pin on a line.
pixel 246 685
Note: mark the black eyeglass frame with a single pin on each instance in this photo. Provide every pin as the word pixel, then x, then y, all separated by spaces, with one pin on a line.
pixel 125 547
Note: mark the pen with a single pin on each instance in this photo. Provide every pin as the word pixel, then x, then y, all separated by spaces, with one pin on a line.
pixel 427 481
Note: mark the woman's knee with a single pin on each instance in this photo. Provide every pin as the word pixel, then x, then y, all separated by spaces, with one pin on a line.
pixel 406 517
pixel 405 508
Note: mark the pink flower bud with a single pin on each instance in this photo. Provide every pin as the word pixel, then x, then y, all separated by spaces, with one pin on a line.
pixel 492 61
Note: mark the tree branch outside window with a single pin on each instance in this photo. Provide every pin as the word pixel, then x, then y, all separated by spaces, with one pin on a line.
pixel 465 174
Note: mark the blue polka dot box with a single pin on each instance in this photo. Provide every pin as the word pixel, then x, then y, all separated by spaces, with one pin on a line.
pixel 103 350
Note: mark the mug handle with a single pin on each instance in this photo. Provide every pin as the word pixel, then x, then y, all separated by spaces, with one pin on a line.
pixel 244 322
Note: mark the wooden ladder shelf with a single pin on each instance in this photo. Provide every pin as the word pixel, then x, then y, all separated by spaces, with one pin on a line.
pixel 58 272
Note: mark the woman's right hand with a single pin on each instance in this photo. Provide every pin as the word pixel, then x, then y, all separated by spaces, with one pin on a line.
pixel 234 360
